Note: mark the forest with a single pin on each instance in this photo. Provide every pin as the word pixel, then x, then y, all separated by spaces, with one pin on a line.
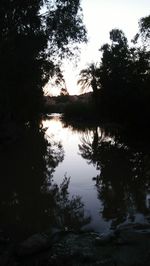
pixel 119 81
pixel 36 35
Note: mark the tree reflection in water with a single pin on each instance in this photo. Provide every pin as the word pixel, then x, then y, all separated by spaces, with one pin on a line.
pixel 123 183
pixel 30 201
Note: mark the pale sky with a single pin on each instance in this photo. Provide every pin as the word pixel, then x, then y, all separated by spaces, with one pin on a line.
pixel 100 17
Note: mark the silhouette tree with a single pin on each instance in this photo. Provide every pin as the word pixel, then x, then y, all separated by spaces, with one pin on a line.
pixel 124 77
pixel 89 78
pixel 114 72
pixel 144 29
pixel 33 34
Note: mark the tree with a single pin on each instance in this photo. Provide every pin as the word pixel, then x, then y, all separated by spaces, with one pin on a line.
pixel 115 73
pixel 30 39
pixel 124 75
pixel 115 58
pixel 89 78
pixel 144 29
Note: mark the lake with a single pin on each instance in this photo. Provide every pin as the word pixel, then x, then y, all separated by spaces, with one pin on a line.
pixel 72 176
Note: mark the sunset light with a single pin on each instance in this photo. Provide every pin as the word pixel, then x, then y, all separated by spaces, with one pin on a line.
pixel 100 16
pixel 74 132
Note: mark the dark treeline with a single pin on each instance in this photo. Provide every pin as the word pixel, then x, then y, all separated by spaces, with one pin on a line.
pixel 121 81
pixel 33 34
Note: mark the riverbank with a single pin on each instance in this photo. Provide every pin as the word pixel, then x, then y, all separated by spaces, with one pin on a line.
pixel 128 245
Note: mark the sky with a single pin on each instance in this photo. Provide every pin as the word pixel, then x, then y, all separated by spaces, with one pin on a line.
pixel 100 17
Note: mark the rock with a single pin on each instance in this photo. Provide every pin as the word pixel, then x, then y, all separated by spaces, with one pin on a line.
pixel 4 240
pixel 127 246
pixel 132 233
pixel 7 254
pixel 106 262
pixel 34 244
pixel 54 230
pixel 133 226
pixel 104 239
pixel 121 241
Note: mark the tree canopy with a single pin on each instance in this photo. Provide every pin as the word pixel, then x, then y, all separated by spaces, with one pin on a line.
pixel 89 77
pixel 123 77
pixel 32 34
pixel 144 27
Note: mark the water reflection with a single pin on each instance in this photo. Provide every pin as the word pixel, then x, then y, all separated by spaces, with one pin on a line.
pixel 30 201
pixel 123 180
pixel 111 177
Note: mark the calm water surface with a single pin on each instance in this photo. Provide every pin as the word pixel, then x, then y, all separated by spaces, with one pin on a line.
pixel 80 171
pixel 111 179
pixel 72 176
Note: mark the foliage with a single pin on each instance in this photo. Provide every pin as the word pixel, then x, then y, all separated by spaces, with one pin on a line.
pixel 89 78
pixel 32 34
pixel 114 70
pixel 124 78
pixel 68 212
pixel 121 80
pixel 144 28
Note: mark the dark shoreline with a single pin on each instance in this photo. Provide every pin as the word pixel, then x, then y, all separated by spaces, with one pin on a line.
pixel 126 246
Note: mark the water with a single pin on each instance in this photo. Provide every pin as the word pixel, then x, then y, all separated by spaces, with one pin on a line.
pixel 72 176
pixel 111 178
pixel 78 169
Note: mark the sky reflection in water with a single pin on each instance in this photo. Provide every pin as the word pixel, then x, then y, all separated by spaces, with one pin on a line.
pixel 109 181
pixel 106 174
